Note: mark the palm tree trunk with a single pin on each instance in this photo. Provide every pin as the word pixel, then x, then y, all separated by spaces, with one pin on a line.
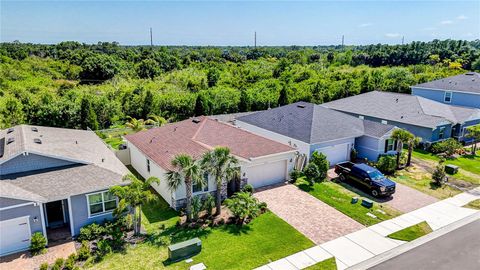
pixel 135 220
pixel 410 150
pixel 139 230
pixel 188 186
pixel 218 195
pixel 399 152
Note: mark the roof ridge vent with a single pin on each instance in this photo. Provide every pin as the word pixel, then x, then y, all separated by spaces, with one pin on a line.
pixel 34 129
pixel 301 106
pixel 37 141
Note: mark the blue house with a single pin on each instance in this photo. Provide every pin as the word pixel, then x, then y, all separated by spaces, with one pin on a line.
pixel 308 128
pixel 460 90
pixel 432 121
pixel 53 181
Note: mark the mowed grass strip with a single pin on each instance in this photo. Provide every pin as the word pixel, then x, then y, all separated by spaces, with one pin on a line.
pixel 328 264
pixel 413 232
pixel 473 204
pixel 340 198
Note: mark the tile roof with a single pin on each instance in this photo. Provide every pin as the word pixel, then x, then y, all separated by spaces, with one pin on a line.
pixel 199 135
pixel 310 123
pixel 96 166
pixel 468 82
pixel 404 108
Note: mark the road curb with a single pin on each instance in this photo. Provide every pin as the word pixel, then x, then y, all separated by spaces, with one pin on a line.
pixel 417 242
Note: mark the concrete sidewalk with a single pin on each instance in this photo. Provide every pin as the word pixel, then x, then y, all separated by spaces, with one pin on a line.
pixel 364 244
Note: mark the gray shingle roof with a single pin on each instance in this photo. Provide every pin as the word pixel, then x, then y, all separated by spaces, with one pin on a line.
pixel 468 82
pixel 309 123
pixel 96 166
pixel 376 129
pixel 403 108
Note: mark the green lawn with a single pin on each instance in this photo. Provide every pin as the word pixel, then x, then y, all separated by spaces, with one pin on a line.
pixel 114 142
pixel 267 238
pixel 328 264
pixel 473 204
pixel 340 198
pixel 413 232
pixel 469 165
pixel 423 182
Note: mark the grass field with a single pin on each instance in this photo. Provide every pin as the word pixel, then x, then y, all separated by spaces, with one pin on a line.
pixel 340 198
pixel 413 232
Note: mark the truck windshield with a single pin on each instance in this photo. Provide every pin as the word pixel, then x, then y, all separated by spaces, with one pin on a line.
pixel 374 175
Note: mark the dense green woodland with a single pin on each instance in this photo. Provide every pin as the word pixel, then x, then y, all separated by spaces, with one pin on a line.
pixel 78 85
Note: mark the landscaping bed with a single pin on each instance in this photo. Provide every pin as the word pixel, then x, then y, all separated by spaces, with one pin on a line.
pixel 411 233
pixel 340 198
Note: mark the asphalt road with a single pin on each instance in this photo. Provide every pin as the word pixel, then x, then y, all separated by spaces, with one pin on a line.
pixel 459 249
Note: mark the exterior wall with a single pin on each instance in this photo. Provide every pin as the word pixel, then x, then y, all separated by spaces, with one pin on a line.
pixel 458 98
pixel 447 134
pixel 31 162
pixel 139 162
pixel 368 147
pixel 79 208
pixel 123 155
pixel 289 157
pixel 425 133
pixel 462 133
pixel 302 147
pixel 34 212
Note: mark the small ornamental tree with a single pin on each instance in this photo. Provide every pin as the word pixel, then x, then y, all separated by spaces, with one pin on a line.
pixel 473 133
pixel 38 243
pixel 439 174
pixel 312 173
pixel 244 207
pixel 449 147
pixel 322 163
pixel 387 164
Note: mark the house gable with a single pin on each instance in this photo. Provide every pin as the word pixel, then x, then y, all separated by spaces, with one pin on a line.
pixel 31 162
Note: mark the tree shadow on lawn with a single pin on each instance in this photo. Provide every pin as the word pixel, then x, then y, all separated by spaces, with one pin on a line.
pixel 158 210
pixel 351 187
pixel 305 186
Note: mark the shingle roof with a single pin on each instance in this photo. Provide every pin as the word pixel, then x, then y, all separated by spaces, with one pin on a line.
pixel 376 129
pixel 403 108
pixel 229 117
pixel 96 166
pixel 199 135
pixel 307 122
pixel 468 82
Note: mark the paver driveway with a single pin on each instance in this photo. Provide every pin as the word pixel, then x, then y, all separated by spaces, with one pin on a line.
pixel 310 216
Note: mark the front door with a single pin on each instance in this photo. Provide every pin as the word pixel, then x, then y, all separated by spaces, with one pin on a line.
pixel 55 214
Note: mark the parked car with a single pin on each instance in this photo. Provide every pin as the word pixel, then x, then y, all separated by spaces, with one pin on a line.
pixel 367 177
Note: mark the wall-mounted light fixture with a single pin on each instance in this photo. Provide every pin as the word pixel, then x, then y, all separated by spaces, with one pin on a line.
pixel 35 219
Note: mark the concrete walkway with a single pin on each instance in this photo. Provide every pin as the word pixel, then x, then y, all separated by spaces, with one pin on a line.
pixel 364 244
pixel 310 216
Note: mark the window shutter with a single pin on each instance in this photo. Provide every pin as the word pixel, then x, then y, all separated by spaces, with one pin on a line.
pixel 386 146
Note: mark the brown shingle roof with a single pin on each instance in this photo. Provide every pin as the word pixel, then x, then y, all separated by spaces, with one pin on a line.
pixel 197 137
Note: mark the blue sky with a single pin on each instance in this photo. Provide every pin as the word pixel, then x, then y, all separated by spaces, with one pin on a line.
pixel 234 22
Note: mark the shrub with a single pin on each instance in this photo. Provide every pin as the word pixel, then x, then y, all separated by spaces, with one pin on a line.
pixel 248 188
pixel 353 155
pixel 209 204
pixel 58 265
pixel 294 175
pixel 263 206
pixel 70 262
pixel 312 173
pixel 103 247
pixel 387 164
pixel 449 147
pixel 439 174
pixel 322 163
pixel 91 232
pixel 44 266
pixel 84 251
pixel 196 207
pixel 243 206
pixel 38 243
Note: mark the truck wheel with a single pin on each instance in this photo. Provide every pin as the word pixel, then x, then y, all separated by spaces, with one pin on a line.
pixel 341 177
pixel 374 193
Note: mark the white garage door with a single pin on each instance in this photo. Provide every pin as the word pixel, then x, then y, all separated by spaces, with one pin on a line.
pixel 336 154
pixel 267 174
pixel 14 235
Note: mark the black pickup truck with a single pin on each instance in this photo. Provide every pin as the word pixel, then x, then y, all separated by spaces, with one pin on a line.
pixel 367 177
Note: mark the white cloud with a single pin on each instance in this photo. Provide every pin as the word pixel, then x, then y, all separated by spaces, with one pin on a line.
pixel 365 24
pixel 445 22
pixel 392 35
pixel 429 28
pixel 462 17
pixel 468 34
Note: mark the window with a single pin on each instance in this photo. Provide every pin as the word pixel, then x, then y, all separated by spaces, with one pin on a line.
pixel 100 203
pixel 361 117
pixel 441 133
pixel 448 97
pixel 148 165
pixel 384 122
pixel 198 188
pixel 390 145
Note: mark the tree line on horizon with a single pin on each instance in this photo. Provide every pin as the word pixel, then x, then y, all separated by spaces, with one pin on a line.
pixel 77 85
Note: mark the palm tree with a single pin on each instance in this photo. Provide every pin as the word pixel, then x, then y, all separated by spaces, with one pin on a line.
pixel 132 197
pixel 157 120
pixel 473 132
pixel 222 167
pixel 401 136
pixel 138 124
pixel 412 143
pixel 187 171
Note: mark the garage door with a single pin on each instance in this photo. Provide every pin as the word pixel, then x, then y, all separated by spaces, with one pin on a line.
pixel 336 153
pixel 14 235
pixel 267 174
